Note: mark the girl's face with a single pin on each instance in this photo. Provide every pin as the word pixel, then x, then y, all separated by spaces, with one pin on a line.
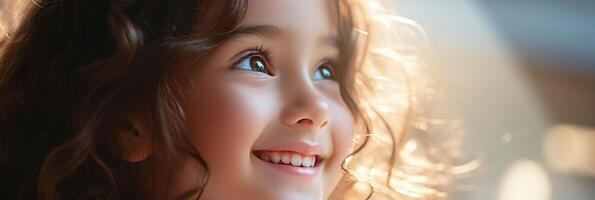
pixel 264 110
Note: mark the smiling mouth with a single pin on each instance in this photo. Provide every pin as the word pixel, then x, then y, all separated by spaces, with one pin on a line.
pixel 289 158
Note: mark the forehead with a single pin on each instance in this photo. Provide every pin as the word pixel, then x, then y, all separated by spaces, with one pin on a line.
pixel 298 18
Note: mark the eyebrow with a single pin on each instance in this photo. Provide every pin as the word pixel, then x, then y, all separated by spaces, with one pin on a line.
pixel 275 31
pixel 262 30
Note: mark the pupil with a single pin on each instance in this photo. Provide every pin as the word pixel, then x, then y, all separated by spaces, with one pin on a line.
pixel 326 72
pixel 257 64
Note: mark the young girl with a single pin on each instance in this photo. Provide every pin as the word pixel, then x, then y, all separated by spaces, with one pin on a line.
pixel 205 99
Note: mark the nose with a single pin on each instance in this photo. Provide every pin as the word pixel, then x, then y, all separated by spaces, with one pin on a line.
pixel 307 108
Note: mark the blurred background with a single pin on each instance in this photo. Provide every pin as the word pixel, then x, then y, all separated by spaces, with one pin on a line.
pixel 522 75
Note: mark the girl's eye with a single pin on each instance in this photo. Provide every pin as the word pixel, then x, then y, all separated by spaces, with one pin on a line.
pixel 254 62
pixel 324 71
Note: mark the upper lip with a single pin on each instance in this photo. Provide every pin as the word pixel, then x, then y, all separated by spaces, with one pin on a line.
pixel 297 147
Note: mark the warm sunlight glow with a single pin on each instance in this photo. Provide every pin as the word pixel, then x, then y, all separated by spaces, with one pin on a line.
pixel 569 148
pixel 397 89
pixel 525 180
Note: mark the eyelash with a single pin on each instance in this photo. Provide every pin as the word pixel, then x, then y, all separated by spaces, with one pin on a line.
pixel 258 51
pixel 266 55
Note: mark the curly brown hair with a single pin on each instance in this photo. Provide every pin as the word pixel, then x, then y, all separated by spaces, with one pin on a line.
pixel 75 71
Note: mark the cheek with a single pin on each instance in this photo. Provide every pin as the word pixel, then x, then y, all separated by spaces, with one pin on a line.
pixel 342 125
pixel 342 139
pixel 346 128
pixel 224 120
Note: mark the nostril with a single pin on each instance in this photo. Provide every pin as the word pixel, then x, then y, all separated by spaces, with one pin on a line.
pixel 310 122
pixel 306 121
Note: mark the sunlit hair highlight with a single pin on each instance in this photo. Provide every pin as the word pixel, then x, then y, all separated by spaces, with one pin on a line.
pixel 409 139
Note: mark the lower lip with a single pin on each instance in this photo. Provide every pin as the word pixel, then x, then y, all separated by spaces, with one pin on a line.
pixel 291 170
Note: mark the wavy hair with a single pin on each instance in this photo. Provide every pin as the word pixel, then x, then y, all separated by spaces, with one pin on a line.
pixel 73 72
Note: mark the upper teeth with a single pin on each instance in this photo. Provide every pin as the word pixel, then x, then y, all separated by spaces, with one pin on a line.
pixel 288 158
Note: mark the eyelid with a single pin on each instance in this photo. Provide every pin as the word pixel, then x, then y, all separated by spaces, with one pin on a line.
pixel 260 50
pixel 329 61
